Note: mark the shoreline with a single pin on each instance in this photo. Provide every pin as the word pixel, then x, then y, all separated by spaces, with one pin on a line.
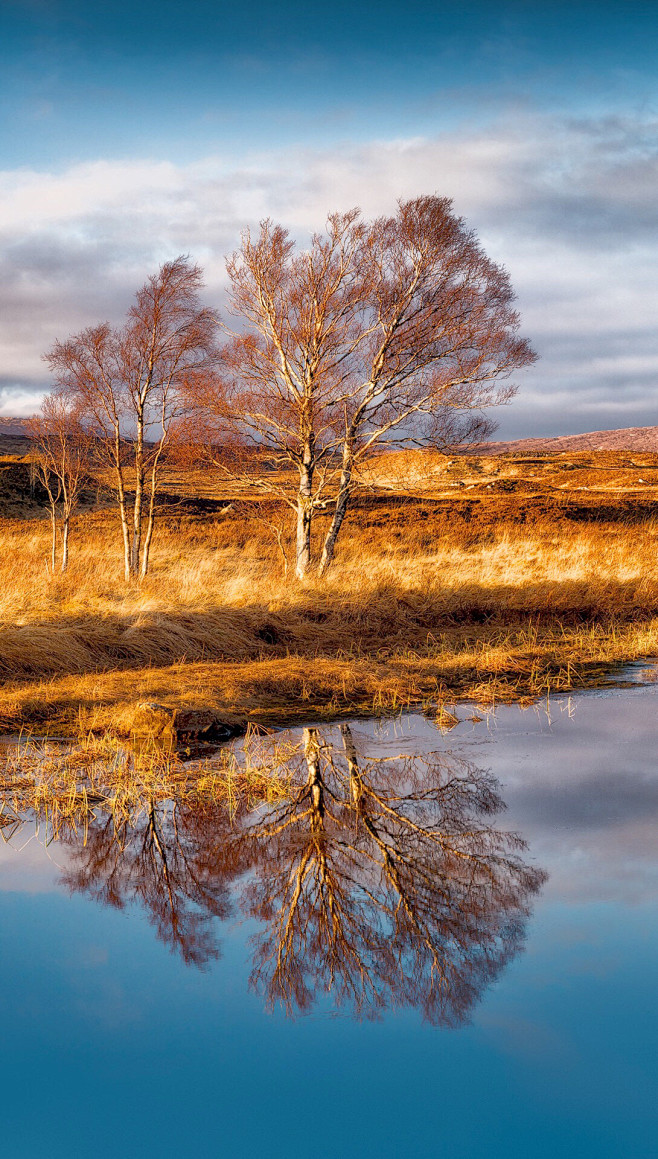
pixel 287 690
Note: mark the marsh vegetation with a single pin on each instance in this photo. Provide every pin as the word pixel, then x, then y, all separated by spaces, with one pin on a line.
pixel 251 514
pixel 444 586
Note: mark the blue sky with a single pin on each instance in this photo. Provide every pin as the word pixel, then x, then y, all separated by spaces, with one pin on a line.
pixel 130 133
pixel 175 79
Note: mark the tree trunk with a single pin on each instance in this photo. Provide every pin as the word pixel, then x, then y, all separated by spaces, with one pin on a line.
pixel 126 536
pixel 356 785
pixel 312 756
pixel 65 542
pixel 149 533
pixel 139 497
pixel 342 501
pixel 304 518
pixel 349 746
pixel 151 516
pixel 53 539
pixel 121 497
pixel 66 518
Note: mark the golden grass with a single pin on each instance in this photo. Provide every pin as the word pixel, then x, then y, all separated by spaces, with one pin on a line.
pixel 62 788
pixel 428 600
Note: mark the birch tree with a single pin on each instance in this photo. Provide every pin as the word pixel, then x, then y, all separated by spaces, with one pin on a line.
pixel 299 323
pixel 128 383
pixel 397 332
pixel 439 341
pixel 60 459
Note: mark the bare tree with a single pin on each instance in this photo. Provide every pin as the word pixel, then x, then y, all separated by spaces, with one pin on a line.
pixel 439 343
pixel 399 332
pixel 60 458
pixel 128 383
pixel 297 323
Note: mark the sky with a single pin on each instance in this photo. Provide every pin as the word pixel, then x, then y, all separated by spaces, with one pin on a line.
pixel 131 133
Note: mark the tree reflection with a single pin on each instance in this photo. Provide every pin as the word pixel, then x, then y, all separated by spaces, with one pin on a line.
pixel 156 859
pixel 380 881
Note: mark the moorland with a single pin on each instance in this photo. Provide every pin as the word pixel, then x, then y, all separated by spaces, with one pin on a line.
pixel 471 577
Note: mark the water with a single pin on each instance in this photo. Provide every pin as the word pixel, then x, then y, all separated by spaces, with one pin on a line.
pixel 513 987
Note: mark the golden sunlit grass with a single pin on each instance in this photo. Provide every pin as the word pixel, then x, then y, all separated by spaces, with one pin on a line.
pixel 428 600
pixel 63 787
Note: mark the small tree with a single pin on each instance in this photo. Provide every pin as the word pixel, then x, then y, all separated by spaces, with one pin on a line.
pixel 128 384
pixel 60 458
pixel 400 332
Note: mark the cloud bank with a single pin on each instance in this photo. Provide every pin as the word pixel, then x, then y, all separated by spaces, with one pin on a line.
pixel 568 205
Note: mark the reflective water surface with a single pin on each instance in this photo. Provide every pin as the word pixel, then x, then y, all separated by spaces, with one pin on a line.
pixel 423 941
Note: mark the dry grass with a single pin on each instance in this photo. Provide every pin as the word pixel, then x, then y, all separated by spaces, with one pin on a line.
pixel 430 598
pixel 62 788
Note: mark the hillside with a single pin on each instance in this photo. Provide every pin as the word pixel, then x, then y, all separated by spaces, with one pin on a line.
pixel 14 439
pixel 625 439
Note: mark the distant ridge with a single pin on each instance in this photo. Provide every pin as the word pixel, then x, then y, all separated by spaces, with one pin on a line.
pixel 624 439
pixel 13 428
pixel 621 439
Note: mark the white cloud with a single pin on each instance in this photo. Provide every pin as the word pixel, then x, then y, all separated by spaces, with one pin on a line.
pixel 568 206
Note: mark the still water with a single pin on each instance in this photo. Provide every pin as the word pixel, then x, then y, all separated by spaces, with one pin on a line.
pixel 434 943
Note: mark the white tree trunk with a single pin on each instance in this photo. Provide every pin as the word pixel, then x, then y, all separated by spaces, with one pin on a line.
pixel 53 536
pixel 149 534
pixel 135 558
pixel 304 519
pixel 312 756
pixel 340 510
pixel 65 542
pixel 121 498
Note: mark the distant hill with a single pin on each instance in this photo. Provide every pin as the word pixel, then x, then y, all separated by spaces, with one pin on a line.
pixel 13 428
pixel 14 439
pixel 625 439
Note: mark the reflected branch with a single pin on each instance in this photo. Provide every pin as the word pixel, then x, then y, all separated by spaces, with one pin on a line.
pixel 374 882
pixel 153 860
